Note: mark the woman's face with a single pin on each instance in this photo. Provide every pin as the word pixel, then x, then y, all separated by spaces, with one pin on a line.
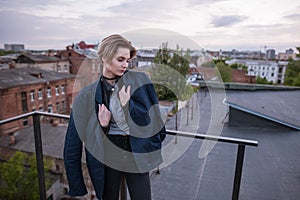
pixel 118 65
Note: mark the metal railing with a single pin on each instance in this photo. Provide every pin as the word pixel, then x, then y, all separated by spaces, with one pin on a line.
pixel 39 150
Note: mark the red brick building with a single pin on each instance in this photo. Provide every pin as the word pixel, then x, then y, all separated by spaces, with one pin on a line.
pixel 83 63
pixel 32 89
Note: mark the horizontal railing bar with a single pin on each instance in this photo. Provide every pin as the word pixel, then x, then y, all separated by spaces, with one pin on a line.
pixel 213 138
pixel 169 132
pixel 5 121
pixel 53 115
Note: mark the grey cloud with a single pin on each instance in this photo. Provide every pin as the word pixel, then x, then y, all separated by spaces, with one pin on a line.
pixel 34 30
pixel 295 17
pixel 201 2
pixel 229 20
pixel 23 4
pixel 145 10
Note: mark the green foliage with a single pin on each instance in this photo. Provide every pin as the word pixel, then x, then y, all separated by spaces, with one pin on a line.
pixel 3 52
pixel 18 181
pixel 264 81
pixel 225 71
pixel 168 73
pixel 292 73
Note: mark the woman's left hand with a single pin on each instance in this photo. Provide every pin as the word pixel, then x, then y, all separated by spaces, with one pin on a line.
pixel 124 95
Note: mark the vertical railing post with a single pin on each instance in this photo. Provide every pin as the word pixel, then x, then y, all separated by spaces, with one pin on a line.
pixel 39 155
pixel 238 171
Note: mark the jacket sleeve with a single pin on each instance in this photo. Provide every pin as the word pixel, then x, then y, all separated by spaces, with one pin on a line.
pixel 72 160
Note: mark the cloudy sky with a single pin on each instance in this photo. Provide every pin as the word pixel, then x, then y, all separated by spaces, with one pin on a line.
pixel 210 24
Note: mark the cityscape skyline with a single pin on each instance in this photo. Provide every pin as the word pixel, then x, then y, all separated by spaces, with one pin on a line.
pixel 214 25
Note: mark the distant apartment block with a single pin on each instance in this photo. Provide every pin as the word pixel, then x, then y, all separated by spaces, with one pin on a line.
pixel 271 54
pixel 14 47
pixel 288 54
pixel 32 89
pixel 271 70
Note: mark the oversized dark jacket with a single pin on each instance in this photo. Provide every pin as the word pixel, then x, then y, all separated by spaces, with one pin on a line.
pixel 84 128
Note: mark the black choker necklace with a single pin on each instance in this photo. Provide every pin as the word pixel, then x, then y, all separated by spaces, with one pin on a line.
pixel 114 78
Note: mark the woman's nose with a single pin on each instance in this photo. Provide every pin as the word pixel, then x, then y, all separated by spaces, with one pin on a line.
pixel 125 64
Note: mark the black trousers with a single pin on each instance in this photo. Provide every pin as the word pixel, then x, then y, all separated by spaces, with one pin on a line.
pixel 138 183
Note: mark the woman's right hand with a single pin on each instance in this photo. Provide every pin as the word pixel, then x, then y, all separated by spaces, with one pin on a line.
pixel 104 115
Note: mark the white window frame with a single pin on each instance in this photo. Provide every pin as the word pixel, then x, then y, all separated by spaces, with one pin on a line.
pixel 40 94
pixel 50 109
pixel 57 90
pixel 32 97
pixel 49 92
pixel 62 89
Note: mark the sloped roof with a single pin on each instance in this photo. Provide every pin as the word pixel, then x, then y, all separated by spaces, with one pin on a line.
pixel 42 58
pixel 278 106
pixel 29 75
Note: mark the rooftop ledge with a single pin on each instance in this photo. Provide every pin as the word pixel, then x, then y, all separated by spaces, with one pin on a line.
pixel 244 86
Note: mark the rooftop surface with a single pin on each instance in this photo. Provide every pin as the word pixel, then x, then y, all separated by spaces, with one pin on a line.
pixel 280 106
pixel 29 75
pixel 270 171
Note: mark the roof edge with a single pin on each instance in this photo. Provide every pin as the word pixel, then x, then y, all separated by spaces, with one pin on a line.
pixel 261 115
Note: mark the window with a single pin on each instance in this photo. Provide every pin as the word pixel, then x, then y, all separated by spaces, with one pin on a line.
pixel 66 68
pixel 49 92
pixel 25 122
pixel 56 90
pixel 58 68
pixel 57 107
pixel 63 105
pixel 40 94
pixel 24 101
pixel 63 89
pixel 41 109
pixel 50 109
pixel 32 95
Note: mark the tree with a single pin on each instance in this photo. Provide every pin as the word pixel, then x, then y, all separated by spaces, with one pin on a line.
pixel 19 177
pixel 292 74
pixel 260 80
pixel 168 73
pixel 225 71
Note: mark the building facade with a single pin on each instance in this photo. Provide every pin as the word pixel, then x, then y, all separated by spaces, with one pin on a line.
pixel 273 71
pixel 14 47
pixel 49 63
pixel 25 90
pixel 84 63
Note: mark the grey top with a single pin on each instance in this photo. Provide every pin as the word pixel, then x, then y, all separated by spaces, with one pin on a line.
pixel 118 124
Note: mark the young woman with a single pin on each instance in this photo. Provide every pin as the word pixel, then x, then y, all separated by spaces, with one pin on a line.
pixel 118 121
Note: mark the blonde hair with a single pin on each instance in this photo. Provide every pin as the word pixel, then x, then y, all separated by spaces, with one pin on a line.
pixel 109 46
